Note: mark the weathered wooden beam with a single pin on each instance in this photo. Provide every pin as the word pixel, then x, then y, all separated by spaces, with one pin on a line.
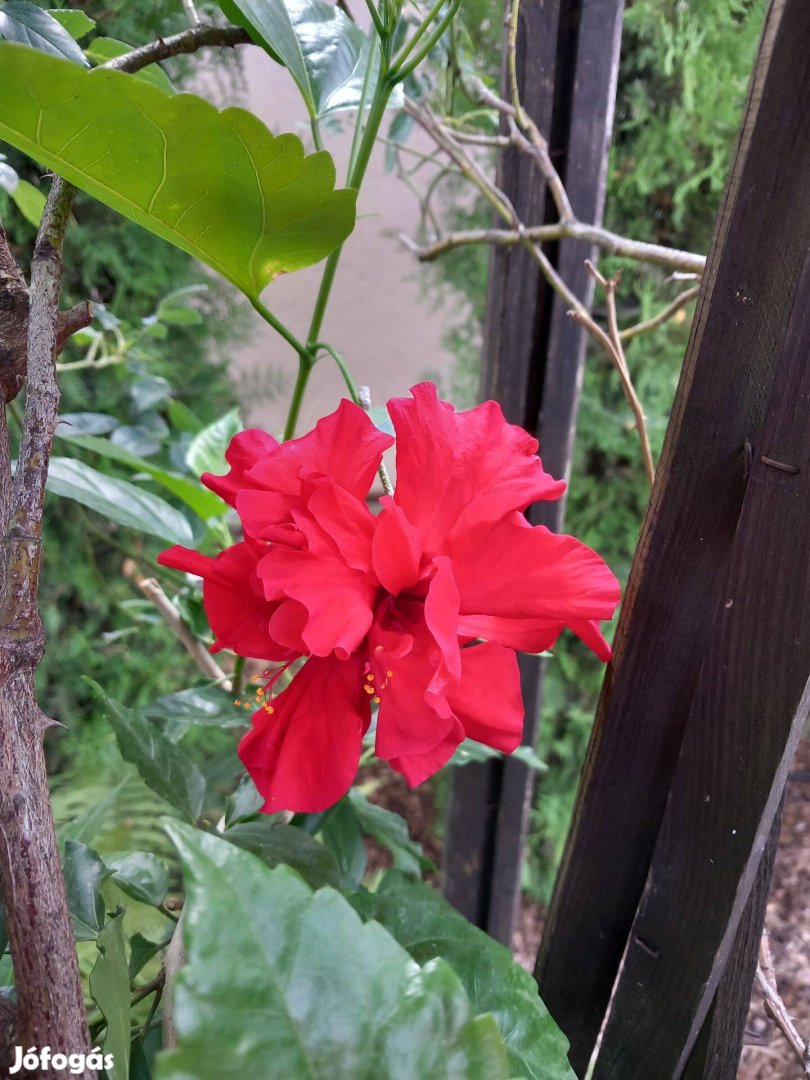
pixel 680 571
pixel 568 57
pixel 749 712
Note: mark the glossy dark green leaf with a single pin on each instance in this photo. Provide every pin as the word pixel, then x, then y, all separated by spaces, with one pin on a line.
pixel 77 24
pixel 139 874
pixel 164 767
pixel 284 845
pixel 244 803
pixel 390 830
pixel 428 927
pixel 102 49
pixel 343 836
pixel 255 208
pixel 109 988
pixel 84 872
pixel 323 50
pixel 203 502
pixel 206 452
pixel 72 425
pixel 141 951
pixel 201 706
pixel 304 989
pixel 29 25
pixel 118 500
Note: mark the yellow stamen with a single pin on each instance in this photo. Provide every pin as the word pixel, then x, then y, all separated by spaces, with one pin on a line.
pixel 376 701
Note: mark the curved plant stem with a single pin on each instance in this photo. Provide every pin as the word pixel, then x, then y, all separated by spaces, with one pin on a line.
pixel 305 365
pixel 279 327
pixel 344 371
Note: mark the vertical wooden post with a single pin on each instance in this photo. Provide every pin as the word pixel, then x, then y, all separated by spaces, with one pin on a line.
pixel 722 526
pixel 568 58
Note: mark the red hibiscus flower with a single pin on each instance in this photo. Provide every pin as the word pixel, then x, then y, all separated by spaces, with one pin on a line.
pixel 417 610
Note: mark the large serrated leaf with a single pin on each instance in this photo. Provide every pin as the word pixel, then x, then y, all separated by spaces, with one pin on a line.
pixel 29 25
pixel 118 500
pixel 283 983
pixel 428 927
pixel 164 767
pixel 217 184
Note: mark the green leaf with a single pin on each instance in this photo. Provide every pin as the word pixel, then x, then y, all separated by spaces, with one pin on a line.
pixel 29 200
pixel 201 706
pixel 141 875
pixel 390 830
pixel 428 927
pixel 206 452
pixel 141 951
pixel 244 803
pixel 77 24
pixel 255 208
pixel 84 872
pixel 343 836
pixel 118 500
pixel 278 845
pixel 470 751
pixel 163 766
pixel 323 50
pixel 180 316
pixel 203 502
pixel 29 25
pixel 109 988
pixel 305 990
pixel 72 425
pixel 102 49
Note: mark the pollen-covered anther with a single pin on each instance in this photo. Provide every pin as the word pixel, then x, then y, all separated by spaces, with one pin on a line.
pixel 376 701
pixel 369 689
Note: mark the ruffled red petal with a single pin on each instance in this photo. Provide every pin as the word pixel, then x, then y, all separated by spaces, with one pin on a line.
pixel 487 698
pixel 246 449
pixel 345 446
pixel 448 461
pixel 235 604
pixel 304 755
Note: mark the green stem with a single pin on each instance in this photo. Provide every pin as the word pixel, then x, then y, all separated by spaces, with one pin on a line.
pixel 361 109
pixel 238 679
pixel 305 365
pixel 315 128
pixel 403 72
pixel 279 327
pixel 344 371
pixel 358 171
pixel 409 46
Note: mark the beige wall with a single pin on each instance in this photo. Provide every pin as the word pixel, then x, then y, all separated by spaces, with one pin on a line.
pixel 377 318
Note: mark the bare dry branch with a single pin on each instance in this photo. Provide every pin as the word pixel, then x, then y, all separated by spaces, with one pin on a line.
pixel 776 1008
pixel 171 616
pixel 612 344
pixel 664 315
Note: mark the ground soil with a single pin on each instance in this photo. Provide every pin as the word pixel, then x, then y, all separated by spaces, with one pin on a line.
pixel 766 1054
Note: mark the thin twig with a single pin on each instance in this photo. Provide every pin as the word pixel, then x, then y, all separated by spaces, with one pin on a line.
pixel 664 315
pixel 612 344
pixel 364 396
pixel 775 1006
pixel 195 648
pixel 611 243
